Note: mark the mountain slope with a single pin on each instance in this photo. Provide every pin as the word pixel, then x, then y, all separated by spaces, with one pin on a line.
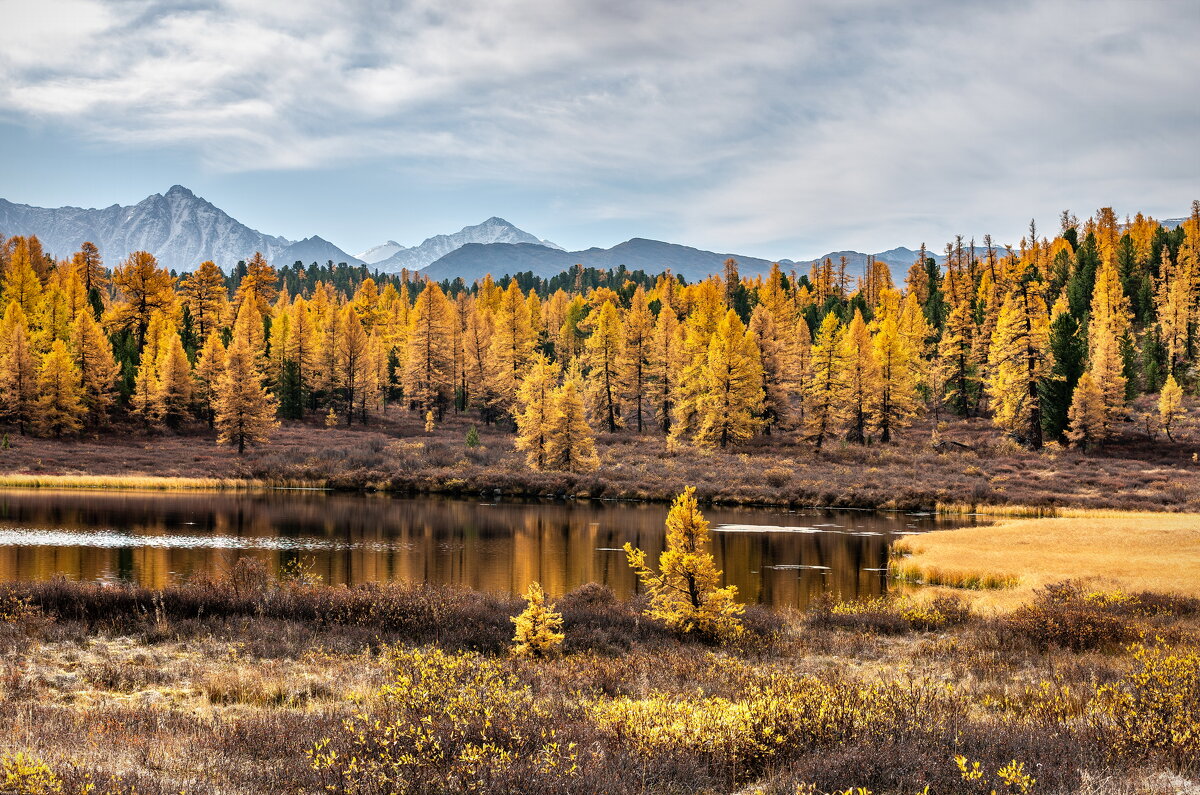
pixel 314 249
pixel 178 227
pixel 493 230
pixel 379 253
pixel 471 262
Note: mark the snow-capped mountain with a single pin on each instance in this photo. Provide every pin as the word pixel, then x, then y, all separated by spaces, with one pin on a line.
pixel 380 253
pixel 493 230
pixel 178 227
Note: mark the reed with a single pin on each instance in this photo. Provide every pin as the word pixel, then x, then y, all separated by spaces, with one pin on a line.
pixel 142 482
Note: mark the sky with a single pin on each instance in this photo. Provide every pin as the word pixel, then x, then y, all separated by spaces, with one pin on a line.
pixel 771 128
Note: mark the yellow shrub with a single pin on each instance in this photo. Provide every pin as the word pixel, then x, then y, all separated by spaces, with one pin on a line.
pixel 1154 711
pixel 28 775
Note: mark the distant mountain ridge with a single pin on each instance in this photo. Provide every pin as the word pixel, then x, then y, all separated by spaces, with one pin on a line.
pixel 493 230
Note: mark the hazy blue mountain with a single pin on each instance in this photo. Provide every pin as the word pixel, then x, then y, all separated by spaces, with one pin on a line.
pixel 379 253
pixel 474 261
pixel 178 227
pixel 314 249
pixel 493 230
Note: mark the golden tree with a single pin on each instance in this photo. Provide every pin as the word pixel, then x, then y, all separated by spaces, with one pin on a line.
pixel 258 287
pixel 175 388
pixel 206 297
pixel 603 357
pixel 538 627
pixel 895 398
pixel 1086 415
pixel 536 406
pixel 636 366
pixel 21 283
pixel 665 365
pixel 143 289
pixel 98 369
pixel 18 368
pixel 826 383
pixel 145 402
pixel 1170 406
pixel 861 382
pixel 570 445
pixel 89 267
pixel 429 360
pixel 1108 325
pixel 244 410
pixel 685 590
pixel 1021 360
pixel 511 346
pixel 210 366
pixel 60 406
pixel 353 360
pixel 734 393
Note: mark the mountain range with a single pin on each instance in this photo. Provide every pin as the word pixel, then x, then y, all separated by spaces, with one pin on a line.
pixel 182 230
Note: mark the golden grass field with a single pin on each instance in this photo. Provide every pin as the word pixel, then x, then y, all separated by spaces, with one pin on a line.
pixel 1130 551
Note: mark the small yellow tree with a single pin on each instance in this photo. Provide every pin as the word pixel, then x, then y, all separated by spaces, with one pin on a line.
pixel 684 592
pixel 539 627
pixel 1170 405
pixel 1087 413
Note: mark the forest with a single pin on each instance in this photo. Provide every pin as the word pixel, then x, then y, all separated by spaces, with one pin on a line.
pixel 1053 341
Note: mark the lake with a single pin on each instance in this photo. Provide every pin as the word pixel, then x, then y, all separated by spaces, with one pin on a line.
pixel 774 556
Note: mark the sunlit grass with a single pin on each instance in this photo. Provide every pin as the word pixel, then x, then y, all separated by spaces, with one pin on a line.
pixel 140 482
pixel 1004 562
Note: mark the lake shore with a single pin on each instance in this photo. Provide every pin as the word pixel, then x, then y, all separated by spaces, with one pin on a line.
pixel 1004 563
pixel 981 470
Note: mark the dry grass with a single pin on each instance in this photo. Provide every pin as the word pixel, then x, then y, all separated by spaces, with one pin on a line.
pixel 130 482
pixel 1130 551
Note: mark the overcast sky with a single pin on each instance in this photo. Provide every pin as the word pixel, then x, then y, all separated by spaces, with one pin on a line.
pixel 775 129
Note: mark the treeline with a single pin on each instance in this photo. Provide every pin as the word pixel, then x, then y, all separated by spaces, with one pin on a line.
pixel 1051 339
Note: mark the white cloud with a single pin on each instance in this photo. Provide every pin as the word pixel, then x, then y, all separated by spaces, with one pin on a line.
pixel 771 123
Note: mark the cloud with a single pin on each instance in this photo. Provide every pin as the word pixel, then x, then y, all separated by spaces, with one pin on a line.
pixel 771 123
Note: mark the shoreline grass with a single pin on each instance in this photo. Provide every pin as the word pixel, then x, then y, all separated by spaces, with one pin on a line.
pixel 143 483
pixel 1001 564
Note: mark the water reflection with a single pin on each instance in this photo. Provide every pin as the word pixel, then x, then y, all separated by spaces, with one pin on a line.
pixel 773 556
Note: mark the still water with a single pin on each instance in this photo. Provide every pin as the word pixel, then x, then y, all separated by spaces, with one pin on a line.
pixel 774 556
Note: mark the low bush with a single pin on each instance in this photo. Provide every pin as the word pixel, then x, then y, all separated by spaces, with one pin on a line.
pixel 1063 615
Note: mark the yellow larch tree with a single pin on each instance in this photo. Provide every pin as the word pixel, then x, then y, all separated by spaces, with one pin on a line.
pixel 98 370
pixel 536 406
pixel 665 364
pixel 18 369
pixel 511 347
pixel 827 381
pixel 1170 406
pixel 145 401
pixel 143 289
pixel 60 406
pixel 570 444
pixel 210 366
pixel 1174 306
pixel 603 356
pixel 1108 325
pixel 368 304
pixel 1086 415
pixel 353 361
pixel 538 627
pixel 89 267
pixel 477 344
pixel 777 354
pixel 175 387
pixel 206 297
pixel 733 394
pixel 300 353
pixel 685 590
pixel 258 287
pixel 1021 360
pixel 429 359
pixel 636 365
pixel 861 379
pixel 895 398
pixel 244 410
pixel 21 283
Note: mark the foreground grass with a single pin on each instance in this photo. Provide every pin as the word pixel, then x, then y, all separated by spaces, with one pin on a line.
pixel 245 685
pixel 1007 561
